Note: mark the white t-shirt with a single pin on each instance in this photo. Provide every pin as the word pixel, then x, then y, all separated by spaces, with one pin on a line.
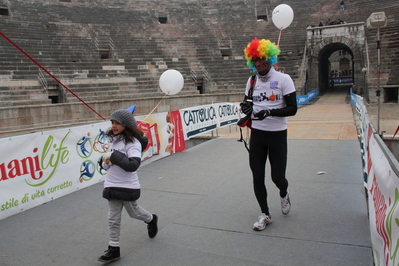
pixel 268 93
pixel 116 176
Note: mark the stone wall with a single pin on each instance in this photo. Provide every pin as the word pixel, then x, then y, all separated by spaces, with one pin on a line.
pixel 35 118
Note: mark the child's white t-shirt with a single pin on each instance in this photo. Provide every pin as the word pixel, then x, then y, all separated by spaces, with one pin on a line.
pixel 116 176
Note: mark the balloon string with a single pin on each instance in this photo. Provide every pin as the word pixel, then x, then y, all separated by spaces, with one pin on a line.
pixel 155 107
pixel 279 37
pixel 278 44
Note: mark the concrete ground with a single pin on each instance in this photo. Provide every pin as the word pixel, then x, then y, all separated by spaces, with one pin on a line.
pixel 389 117
pixel 206 207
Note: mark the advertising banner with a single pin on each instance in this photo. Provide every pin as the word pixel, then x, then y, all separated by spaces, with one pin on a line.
pixel 165 135
pixel 199 119
pixel 382 186
pixel 364 128
pixel 39 167
pixel 304 99
pixel 383 205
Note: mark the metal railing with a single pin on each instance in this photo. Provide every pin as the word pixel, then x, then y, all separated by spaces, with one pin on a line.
pixel 42 80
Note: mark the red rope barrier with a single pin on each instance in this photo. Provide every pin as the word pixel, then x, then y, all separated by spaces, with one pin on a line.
pixel 45 70
pixel 393 137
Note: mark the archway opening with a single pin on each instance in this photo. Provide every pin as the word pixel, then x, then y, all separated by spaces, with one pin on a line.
pixel 336 68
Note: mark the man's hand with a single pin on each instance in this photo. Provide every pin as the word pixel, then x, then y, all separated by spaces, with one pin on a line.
pixel 246 107
pixel 262 114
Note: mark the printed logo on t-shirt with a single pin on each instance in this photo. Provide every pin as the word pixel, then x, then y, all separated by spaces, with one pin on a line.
pixel 273 85
pixel 263 97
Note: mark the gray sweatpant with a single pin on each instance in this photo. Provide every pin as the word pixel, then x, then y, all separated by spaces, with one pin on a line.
pixel 115 216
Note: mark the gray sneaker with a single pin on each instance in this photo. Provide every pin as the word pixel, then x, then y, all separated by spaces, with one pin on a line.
pixel 263 220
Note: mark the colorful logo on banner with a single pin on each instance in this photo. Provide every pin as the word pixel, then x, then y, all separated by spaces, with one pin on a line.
pixel 87 171
pixel 33 168
pixel 52 155
pixel 85 148
pixel 385 222
pixel 101 143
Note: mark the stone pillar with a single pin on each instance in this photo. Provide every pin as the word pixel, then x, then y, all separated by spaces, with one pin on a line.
pixel 313 78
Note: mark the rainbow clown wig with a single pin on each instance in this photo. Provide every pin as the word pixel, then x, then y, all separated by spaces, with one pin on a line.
pixel 264 49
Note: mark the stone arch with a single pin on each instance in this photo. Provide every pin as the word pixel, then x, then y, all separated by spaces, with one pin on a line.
pixel 321 51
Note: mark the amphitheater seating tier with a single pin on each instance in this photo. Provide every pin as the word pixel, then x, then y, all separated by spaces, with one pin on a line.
pixel 67 38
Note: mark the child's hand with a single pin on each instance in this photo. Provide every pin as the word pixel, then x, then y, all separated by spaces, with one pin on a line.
pixel 106 160
pixel 106 165
pixel 107 156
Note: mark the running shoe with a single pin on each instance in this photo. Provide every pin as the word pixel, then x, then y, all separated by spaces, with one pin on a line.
pixel 285 204
pixel 263 220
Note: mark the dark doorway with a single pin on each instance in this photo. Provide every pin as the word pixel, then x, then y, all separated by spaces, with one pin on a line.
pixel 336 64
pixel 4 11
pixel 391 95
pixel 200 86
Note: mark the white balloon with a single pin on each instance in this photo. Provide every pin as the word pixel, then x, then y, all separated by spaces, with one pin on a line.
pixel 282 16
pixel 171 81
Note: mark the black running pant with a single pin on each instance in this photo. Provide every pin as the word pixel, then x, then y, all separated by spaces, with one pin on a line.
pixel 262 145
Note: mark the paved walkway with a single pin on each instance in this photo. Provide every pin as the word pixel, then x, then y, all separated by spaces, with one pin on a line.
pixel 330 118
pixel 206 207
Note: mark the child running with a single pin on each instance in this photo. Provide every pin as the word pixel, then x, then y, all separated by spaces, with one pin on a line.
pixel 121 186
